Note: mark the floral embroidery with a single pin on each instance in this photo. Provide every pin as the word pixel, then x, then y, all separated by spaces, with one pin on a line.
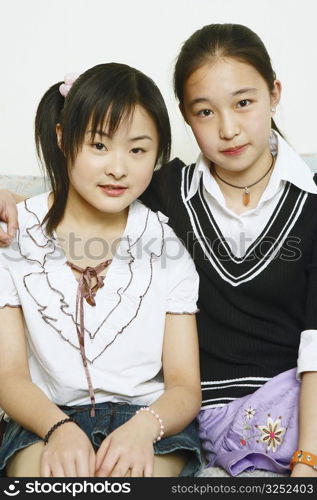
pixel 248 432
pixel 272 433
pixel 249 413
pixel 269 434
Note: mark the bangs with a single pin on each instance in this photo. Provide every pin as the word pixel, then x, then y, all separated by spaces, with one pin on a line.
pixel 105 96
pixel 104 117
pixel 108 119
pixel 100 104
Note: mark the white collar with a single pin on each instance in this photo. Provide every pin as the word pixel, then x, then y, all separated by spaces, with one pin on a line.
pixel 289 167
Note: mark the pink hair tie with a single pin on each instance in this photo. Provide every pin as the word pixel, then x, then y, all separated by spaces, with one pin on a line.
pixel 69 79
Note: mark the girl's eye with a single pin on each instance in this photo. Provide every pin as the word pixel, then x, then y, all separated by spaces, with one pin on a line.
pixel 99 146
pixel 205 112
pixel 244 103
pixel 137 151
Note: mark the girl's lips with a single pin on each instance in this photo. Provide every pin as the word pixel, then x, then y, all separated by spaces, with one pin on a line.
pixel 235 151
pixel 111 190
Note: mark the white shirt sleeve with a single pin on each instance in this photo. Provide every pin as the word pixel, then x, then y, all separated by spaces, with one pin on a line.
pixel 8 292
pixel 307 353
pixel 183 279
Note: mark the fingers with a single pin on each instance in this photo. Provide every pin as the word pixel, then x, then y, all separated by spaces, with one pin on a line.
pixel 107 464
pixel 83 466
pixel 101 453
pixel 57 470
pixel 12 225
pixel 45 470
pixel 136 471
pixel 5 239
pixel 117 458
pixel 148 469
pixel 121 469
pixel 77 465
pixel 9 215
pixel 92 464
pixel 80 467
pixel 68 461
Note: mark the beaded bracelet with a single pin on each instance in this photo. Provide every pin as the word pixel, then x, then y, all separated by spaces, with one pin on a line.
pixel 55 426
pixel 160 421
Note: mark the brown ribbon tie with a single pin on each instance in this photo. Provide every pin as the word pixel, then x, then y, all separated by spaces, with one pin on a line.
pixel 87 291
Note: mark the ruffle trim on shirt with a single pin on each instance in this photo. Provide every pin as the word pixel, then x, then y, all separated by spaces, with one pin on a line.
pixel 127 283
pixel 183 312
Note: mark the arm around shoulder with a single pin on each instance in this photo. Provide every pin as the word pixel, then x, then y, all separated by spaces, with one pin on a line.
pixel 8 214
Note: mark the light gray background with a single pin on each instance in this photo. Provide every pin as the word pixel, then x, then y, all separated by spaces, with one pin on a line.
pixel 41 40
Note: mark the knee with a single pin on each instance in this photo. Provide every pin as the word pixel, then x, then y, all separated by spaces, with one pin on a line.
pixel 26 462
pixel 169 465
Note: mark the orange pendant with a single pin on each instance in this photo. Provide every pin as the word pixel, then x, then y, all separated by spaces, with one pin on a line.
pixel 246 196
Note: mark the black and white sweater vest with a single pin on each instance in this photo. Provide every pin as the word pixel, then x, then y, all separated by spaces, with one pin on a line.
pixel 252 308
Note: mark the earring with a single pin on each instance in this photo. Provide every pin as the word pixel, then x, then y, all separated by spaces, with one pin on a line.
pixel 273 109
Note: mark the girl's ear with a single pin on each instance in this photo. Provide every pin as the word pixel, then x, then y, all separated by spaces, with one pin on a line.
pixel 182 110
pixel 59 135
pixel 276 93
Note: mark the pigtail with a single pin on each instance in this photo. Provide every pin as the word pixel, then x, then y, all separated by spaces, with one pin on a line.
pixel 48 115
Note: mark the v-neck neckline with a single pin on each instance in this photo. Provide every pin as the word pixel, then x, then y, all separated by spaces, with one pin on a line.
pixel 259 254
pixel 114 257
pixel 88 273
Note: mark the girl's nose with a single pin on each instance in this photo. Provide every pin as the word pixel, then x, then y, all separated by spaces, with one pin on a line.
pixel 116 166
pixel 228 126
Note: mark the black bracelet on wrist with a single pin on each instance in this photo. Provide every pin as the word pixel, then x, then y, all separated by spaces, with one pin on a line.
pixel 55 426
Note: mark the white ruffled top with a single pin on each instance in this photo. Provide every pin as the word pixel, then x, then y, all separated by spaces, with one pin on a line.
pixel 151 275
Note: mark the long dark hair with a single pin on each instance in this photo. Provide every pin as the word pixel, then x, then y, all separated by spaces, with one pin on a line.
pixel 103 95
pixel 222 40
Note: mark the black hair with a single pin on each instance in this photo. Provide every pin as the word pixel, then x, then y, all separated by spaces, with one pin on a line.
pixel 102 95
pixel 222 40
